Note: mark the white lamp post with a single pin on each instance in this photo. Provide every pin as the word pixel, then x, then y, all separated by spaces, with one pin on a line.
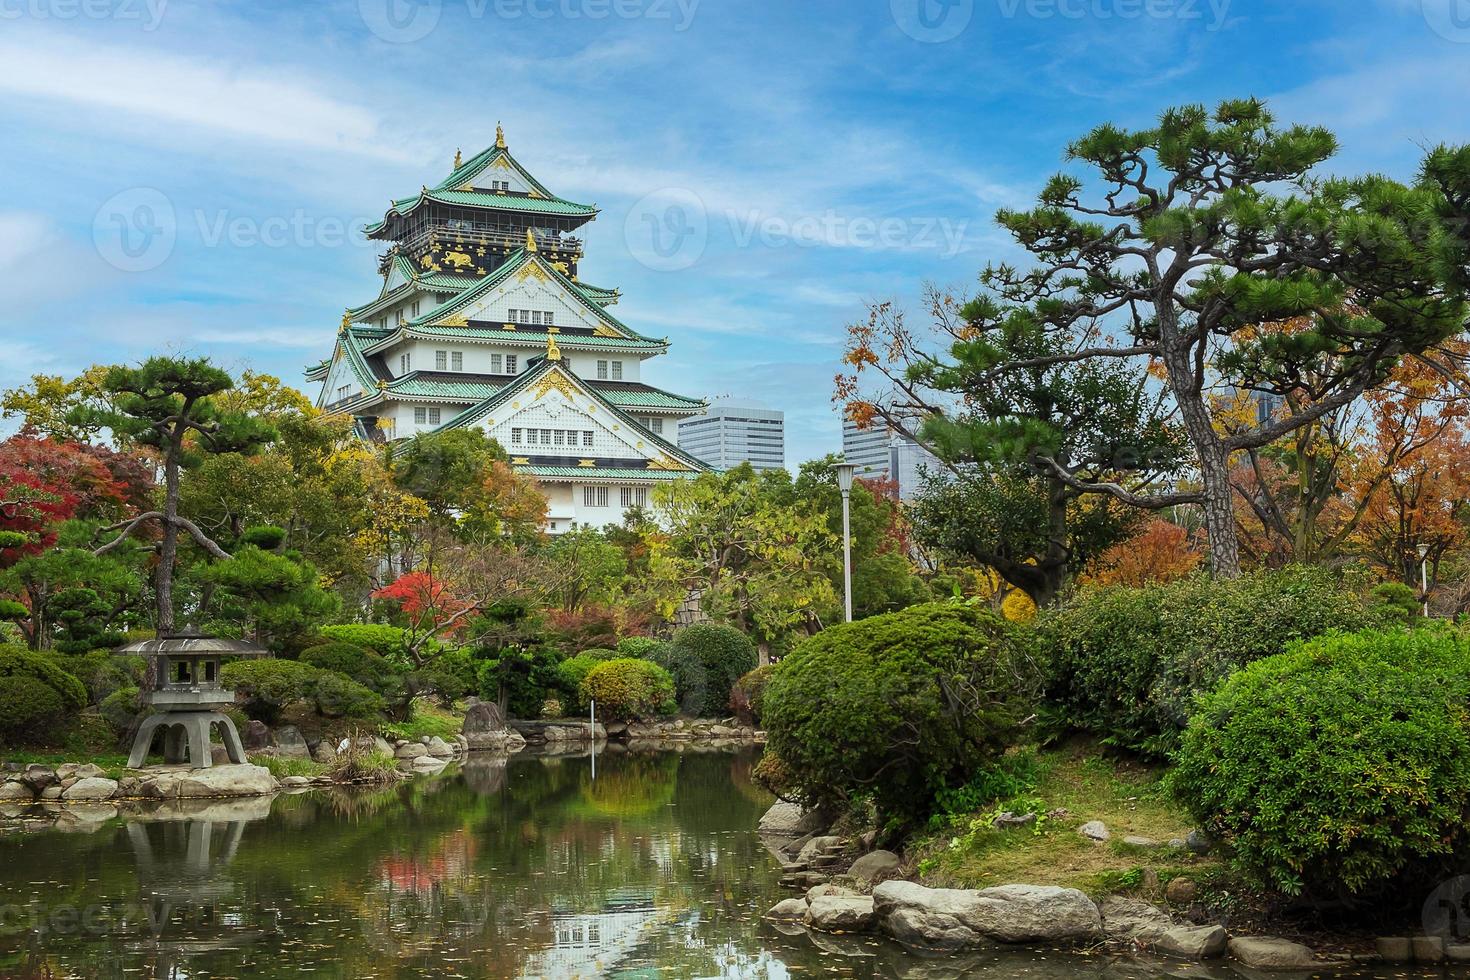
pixel 1424 576
pixel 844 483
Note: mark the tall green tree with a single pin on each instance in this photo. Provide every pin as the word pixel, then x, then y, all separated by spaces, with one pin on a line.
pixel 168 404
pixel 1191 245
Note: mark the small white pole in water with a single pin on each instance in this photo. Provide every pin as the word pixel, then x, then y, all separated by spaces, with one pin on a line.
pixel 592 734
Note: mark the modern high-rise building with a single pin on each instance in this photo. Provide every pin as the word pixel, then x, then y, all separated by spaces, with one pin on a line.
pixel 482 320
pixel 880 453
pixel 731 432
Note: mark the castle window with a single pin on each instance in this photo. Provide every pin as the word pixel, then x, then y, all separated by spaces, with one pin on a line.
pixel 617 370
pixel 545 437
pixel 536 317
pixel 404 361
pixel 441 360
pixel 456 361
pixel 510 364
pixel 640 496
pixel 343 392
pixel 434 416
pixel 626 495
pixel 656 425
pixel 586 438
pixel 414 310
pixel 420 416
pixel 494 363
pixel 601 370
pixel 546 318
pixel 559 435
pixel 594 496
pixel 515 437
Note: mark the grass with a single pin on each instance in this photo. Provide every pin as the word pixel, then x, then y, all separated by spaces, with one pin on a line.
pixel 281 767
pixel 428 719
pixel 1124 795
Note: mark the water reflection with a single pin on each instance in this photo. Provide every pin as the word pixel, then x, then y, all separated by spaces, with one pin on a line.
pixel 527 867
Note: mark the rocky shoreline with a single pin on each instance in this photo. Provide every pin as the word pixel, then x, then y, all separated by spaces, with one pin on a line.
pixel 872 896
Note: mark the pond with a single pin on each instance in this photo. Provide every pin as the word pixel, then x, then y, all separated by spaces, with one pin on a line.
pixel 629 865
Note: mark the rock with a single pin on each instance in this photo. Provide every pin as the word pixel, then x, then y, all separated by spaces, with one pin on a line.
pixel 291 782
pixel 89 771
pixel 290 744
pixel 1193 942
pixel 1095 830
pixel 235 780
pixel 1457 953
pixel 1271 953
pixel 439 748
pixel 1197 842
pixel 51 792
pixel 219 755
pixel 950 918
pixel 324 753
pixel 16 790
pixel 787 820
pixel 1007 820
pixel 39 777
pixel 255 736
pixel 1150 881
pixel 830 891
pixel 1181 891
pixel 1144 842
pixel 876 866
pixel 814 847
pixel 410 751
pixel 427 763
pixel 1395 949
pixel 790 909
pixel 841 913
pixel 91 788
pixel 1134 921
pixel 1428 949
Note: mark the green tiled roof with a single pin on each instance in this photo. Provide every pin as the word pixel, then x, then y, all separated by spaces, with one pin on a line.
pixel 598 473
pixel 480 162
pixel 597 294
pixel 415 385
pixel 534 338
pixel 424 384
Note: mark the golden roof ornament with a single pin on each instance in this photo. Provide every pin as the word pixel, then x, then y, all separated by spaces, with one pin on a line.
pixel 346 319
pixel 530 241
pixel 499 137
pixel 458 160
pixel 553 352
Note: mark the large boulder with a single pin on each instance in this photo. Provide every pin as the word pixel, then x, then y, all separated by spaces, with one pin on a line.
pixel 16 791
pixel 256 735
pixel 439 748
pixel 788 820
pixel 91 788
pixel 816 846
pixel 876 866
pixel 1134 921
pixel 484 726
pixel 409 751
pixel 949 917
pixel 841 913
pixel 1272 954
pixel 290 744
pixel 243 780
pixel 791 909
pixel 1193 942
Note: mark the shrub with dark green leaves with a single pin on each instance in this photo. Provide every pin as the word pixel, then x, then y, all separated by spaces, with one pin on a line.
pixel 1127 664
pixel 268 686
pixel 1340 767
pixel 120 707
pixel 337 696
pixel 629 689
pixel 103 672
pixel 748 693
pixel 900 706
pixel 521 679
pixel 690 678
pixel 571 673
pixel 10 609
pixel 725 654
pixel 37 698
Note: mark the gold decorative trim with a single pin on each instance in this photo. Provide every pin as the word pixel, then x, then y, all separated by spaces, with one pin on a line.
pixel 499 136
pixel 555 380
pixel 457 320
pixel 603 330
pixel 520 461
pixel 530 242
pixel 586 462
pixel 532 270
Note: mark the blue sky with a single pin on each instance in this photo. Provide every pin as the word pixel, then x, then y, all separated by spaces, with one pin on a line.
pixel 820 155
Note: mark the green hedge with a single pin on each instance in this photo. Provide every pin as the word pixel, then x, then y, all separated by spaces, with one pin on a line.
pixel 37 698
pixel 1339 767
pixel 629 689
pixel 900 706
pixel 269 686
pixel 385 641
pixel 1127 664
pixel 642 647
pixel 724 654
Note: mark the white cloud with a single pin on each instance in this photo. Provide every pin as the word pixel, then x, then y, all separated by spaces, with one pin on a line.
pixel 255 103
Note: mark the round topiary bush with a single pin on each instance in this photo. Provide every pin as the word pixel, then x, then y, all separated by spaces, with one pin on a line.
pixel 725 654
pixel 385 641
pixel 629 689
pixel 39 699
pixel 1128 664
pixel 338 696
pixel 120 708
pixel 571 673
pixel 642 647
pixel 897 707
pixel 748 694
pixel 267 687
pixel 1340 766
pixel 690 679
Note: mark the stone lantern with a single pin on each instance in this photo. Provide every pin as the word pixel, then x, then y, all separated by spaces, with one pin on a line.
pixel 189 698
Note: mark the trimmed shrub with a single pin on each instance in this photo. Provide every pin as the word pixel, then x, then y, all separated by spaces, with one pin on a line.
pixel 629 689
pixel 725 653
pixel 10 609
pixel 900 706
pixel 642 647
pixel 571 673
pixel 102 672
pixel 1338 767
pixel 338 696
pixel 385 641
pixel 120 707
pixel 266 687
pixel 690 681
pixel 1128 664
pixel 748 694
pixel 524 678
pixel 29 708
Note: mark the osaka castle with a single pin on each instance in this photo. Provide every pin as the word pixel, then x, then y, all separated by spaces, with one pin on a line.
pixel 482 319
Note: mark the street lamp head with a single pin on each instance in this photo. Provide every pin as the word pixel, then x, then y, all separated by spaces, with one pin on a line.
pixel 844 476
